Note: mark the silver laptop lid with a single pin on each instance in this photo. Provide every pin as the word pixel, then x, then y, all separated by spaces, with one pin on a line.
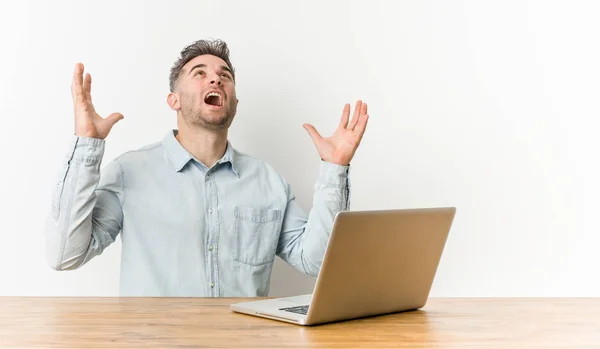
pixel 379 262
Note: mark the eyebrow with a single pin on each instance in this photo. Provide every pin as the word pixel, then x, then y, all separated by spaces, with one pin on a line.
pixel 201 65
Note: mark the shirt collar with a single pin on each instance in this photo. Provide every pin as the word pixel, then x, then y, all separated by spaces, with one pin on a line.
pixel 180 157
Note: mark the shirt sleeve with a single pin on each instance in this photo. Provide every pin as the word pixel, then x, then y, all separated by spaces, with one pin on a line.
pixel 303 239
pixel 86 213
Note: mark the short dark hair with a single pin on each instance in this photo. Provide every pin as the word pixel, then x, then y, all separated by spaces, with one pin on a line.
pixel 201 47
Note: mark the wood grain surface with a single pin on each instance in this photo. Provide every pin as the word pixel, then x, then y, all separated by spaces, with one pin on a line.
pixel 27 322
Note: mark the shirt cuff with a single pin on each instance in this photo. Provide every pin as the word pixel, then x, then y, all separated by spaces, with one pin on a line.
pixel 86 149
pixel 333 175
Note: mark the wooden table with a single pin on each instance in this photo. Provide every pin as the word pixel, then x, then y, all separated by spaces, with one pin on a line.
pixel 204 323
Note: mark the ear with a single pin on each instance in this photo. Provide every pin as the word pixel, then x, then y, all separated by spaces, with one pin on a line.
pixel 173 101
pixel 235 105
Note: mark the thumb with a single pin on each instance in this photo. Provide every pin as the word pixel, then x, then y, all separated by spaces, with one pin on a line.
pixel 114 117
pixel 312 132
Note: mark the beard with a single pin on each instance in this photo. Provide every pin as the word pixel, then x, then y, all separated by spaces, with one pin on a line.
pixel 213 120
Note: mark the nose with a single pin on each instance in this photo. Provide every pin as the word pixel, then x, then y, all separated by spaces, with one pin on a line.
pixel 216 80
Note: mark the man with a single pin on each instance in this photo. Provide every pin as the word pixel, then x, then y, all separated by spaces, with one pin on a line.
pixel 196 216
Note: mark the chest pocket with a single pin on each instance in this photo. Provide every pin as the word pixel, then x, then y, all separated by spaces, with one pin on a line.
pixel 256 233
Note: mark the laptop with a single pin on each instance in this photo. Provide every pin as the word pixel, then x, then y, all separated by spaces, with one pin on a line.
pixel 376 262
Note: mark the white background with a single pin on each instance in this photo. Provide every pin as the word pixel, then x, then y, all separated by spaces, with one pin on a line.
pixel 489 106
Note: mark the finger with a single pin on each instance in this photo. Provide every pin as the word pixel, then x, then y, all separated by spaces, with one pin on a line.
pixel 364 109
pixel 313 133
pixel 78 96
pixel 114 118
pixel 361 126
pixel 87 88
pixel 345 116
pixel 356 115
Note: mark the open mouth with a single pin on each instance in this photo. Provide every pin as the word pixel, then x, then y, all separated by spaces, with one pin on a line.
pixel 214 98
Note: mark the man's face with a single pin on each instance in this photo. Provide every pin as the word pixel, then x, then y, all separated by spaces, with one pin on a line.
pixel 207 93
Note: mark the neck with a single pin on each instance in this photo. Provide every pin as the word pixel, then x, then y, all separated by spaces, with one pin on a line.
pixel 207 146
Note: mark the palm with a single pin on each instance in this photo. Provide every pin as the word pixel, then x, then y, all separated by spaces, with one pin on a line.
pixel 341 146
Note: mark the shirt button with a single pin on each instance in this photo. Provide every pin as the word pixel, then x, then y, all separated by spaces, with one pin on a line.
pixel 210 247
pixel 210 211
pixel 212 284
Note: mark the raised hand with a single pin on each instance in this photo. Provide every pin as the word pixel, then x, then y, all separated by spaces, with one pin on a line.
pixel 341 146
pixel 87 121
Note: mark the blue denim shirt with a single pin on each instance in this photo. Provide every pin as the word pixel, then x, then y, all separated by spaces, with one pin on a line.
pixel 186 229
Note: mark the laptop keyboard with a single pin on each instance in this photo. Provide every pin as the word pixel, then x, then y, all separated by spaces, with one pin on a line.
pixel 302 309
